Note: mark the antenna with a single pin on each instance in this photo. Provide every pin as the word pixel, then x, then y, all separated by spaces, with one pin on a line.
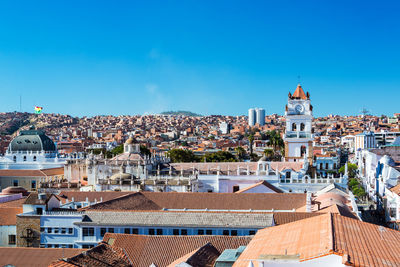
pixel 298 79
pixel 364 111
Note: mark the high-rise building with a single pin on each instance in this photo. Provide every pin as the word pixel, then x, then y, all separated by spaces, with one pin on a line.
pixel 252 117
pixel 260 116
pixel 298 136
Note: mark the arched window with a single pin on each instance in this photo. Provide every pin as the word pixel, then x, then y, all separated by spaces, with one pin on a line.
pixel 24 158
pixel 302 126
pixel 321 166
pixel 15 158
pixel 34 158
pixel 327 165
pixel 294 126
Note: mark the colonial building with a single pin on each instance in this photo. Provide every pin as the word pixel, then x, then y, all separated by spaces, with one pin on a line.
pixel 298 136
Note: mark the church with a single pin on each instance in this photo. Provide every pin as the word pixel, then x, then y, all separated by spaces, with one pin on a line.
pixel 298 135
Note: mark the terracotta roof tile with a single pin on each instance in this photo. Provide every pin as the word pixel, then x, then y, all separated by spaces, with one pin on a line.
pixel 163 250
pixel 102 255
pixel 32 173
pixel 360 243
pixel 299 93
pixel 32 257
pixel 204 256
pixel 288 217
pixel 91 196
pixel 8 216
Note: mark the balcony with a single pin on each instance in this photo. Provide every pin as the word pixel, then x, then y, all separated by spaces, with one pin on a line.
pixel 292 134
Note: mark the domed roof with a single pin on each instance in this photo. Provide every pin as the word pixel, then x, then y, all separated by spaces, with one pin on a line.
pixel 118 176
pixel 32 140
pixel 14 190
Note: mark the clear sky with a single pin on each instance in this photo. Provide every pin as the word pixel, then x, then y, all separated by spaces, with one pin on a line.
pixel 210 57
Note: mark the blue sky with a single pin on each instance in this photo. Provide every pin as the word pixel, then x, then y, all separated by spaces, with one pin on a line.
pixel 210 57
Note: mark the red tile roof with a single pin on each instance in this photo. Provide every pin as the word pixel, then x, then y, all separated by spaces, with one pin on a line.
pixel 102 255
pixel 163 250
pixel 91 196
pixel 32 257
pixel 299 93
pixel 204 256
pixel 32 173
pixel 8 216
pixel 360 243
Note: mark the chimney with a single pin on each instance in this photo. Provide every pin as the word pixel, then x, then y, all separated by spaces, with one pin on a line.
pixel 308 202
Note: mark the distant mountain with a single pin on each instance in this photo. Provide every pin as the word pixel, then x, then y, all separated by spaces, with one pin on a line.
pixel 181 112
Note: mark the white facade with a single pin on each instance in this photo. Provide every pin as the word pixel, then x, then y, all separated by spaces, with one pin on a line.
pixel 252 117
pixel 365 140
pixel 298 135
pixel 260 116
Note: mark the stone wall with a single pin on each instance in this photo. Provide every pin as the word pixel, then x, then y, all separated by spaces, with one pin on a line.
pixel 28 231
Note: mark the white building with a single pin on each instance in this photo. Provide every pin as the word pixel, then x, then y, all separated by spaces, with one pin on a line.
pixel 298 136
pixel 365 140
pixel 252 117
pixel 260 116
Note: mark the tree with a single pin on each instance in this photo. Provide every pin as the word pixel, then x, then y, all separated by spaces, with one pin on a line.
pixel 220 156
pixel 352 168
pixel 251 140
pixel 240 152
pixel 144 150
pixel 269 153
pixel 118 150
pixel 181 155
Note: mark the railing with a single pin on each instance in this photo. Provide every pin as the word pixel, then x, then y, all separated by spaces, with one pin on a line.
pixel 291 134
pixel 64 213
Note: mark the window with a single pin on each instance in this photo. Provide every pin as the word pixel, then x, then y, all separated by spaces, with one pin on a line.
pixel 303 151
pixel 200 232
pixel 294 127
pixel 56 245
pixel 34 158
pixel 252 232
pixel 175 232
pixel 225 232
pixel 39 211
pixel 127 230
pixel 15 183
pixel 24 158
pixel 302 127
pixel 151 231
pixel 87 246
pixel 321 166
pixel 41 229
pixel 159 231
pixel 235 188
pixel 15 158
pixel 288 175
pixel 135 231
pixel 234 232
pixel 49 230
pixel 70 246
pixel 63 230
pixel 326 166
pixel 11 239
pixel 88 231
pixel 70 231
pixel 334 165
pixel 208 232
pixel 103 231
pixel 33 184
pixel 184 232
pixel 111 230
pixel 56 230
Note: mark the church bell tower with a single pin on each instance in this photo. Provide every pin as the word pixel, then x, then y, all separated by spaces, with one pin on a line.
pixel 298 136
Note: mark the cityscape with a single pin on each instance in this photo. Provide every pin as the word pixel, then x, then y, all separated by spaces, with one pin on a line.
pixel 145 176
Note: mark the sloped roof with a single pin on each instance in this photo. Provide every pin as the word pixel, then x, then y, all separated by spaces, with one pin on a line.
pixel 360 243
pixel 299 93
pixel 212 201
pixel 179 219
pixel 395 189
pixel 34 256
pixel 101 255
pixel 288 217
pixel 91 196
pixel 233 166
pixel 262 183
pixel 144 250
pixel 32 173
pixel 204 256
pixel 8 216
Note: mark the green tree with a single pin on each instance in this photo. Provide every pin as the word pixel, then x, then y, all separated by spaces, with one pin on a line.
pixel 220 156
pixel 251 140
pixel 144 150
pixel 352 168
pixel 240 152
pixel 269 153
pixel 181 155
pixel 118 150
